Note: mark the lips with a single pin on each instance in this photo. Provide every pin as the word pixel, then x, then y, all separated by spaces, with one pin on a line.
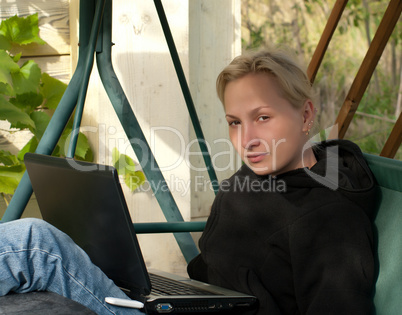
pixel 256 157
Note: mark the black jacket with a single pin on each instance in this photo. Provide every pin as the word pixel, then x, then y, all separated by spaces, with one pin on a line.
pixel 300 242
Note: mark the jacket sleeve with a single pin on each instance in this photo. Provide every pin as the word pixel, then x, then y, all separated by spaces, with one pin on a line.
pixel 332 259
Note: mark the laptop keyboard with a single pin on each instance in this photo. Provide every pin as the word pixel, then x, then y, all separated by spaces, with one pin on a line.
pixel 165 286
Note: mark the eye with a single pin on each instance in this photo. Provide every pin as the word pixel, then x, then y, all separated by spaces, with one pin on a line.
pixel 234 123
pixel 263 118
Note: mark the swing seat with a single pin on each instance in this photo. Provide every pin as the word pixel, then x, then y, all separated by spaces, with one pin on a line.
pixel 44 303
pixel 388 234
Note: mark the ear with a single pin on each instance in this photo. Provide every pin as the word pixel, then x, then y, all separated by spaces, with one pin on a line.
pixel 308 113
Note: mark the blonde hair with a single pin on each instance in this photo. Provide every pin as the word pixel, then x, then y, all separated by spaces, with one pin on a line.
pixel 293 80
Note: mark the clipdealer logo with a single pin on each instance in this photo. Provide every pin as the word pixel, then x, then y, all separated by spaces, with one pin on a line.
pixel 329 179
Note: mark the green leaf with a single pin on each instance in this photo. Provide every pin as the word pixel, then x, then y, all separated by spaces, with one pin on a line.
pixel 52 90
pixel 14 115
pixel 21 31
pixel 27 79
pixel 8 66
pixel 61 145
pixel 117 161
pixel 10 172
pixel 10 176
pixel 17 57
pixel 89 155
pixel 115 156
pixel 41 120
pixel 82 150
pixel 134 180
pixel 6 89
pixel 4 43
pixel 29 147
pixel 8 159
pixel 27 102
pixel 82 147
pixel 125 166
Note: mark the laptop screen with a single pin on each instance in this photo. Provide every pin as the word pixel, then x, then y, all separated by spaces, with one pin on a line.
pixel 85 200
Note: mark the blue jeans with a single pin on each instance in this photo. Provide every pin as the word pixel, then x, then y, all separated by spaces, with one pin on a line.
pixel 35 256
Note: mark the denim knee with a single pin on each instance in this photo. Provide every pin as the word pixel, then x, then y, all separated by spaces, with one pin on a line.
pixel 32 232
pixel 32 223
pixel 34 227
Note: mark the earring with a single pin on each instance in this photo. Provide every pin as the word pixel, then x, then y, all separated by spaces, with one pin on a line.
pixel 309 127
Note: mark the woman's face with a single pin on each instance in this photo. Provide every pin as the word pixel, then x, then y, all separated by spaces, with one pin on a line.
pixel 265 129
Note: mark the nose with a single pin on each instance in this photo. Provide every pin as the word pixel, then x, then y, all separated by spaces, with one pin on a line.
pixel 248 137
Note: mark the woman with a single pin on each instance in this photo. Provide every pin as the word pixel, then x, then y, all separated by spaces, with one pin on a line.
pixel 291 227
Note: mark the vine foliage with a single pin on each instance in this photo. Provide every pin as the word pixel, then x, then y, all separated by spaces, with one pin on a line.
pixel 28 98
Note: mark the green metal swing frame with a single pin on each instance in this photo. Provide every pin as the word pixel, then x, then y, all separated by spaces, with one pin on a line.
pixel 95 31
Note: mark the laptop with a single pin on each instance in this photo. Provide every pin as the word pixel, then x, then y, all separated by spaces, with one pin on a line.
pixel 85 200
